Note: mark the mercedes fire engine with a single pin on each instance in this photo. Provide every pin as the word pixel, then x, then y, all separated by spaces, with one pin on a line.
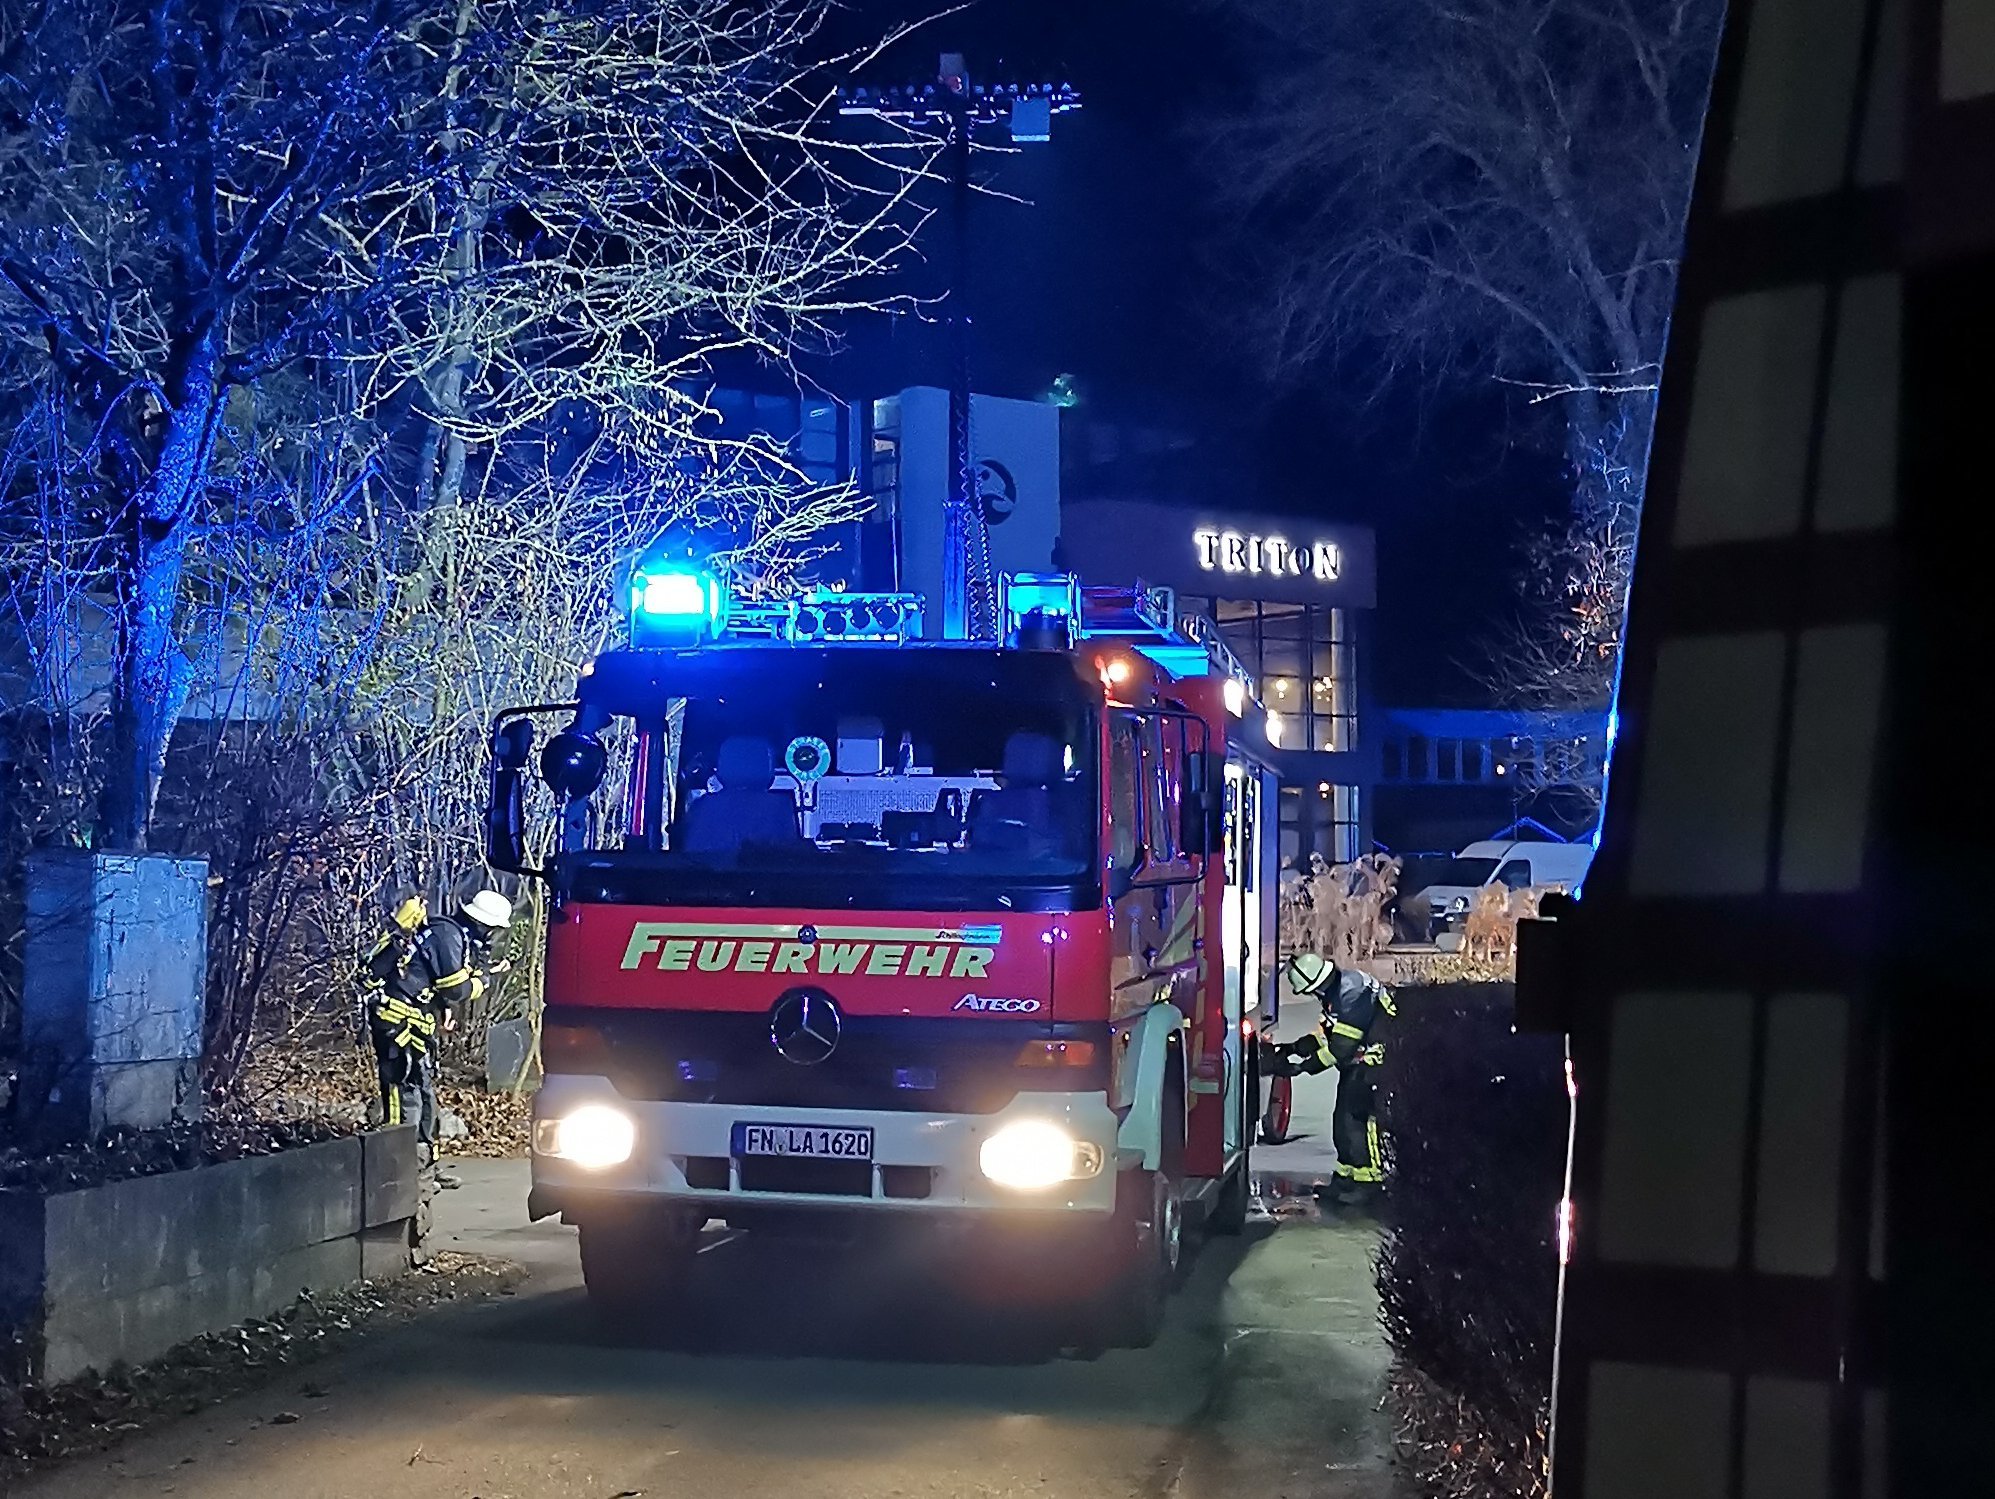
pixel 922 933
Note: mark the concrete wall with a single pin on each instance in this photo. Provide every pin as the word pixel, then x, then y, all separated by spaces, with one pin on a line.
pixel 121 1273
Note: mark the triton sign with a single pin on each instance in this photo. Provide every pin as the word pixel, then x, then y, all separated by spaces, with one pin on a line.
pixel 1266 556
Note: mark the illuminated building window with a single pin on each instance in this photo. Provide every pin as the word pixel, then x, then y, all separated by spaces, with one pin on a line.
pixel 1304 659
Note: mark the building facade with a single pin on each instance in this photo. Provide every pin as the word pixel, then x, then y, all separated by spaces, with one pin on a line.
pixel 1292 598
pixel 1446 777
pixel 1015 465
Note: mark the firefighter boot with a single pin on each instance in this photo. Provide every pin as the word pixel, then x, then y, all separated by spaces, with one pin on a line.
pixel 1349 1196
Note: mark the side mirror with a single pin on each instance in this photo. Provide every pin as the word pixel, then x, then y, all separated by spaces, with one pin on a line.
pixel 574 764
pixel 505 808
pixel 1198 772
pixel 1201 827
pixel 1198 824
pixel 1551 965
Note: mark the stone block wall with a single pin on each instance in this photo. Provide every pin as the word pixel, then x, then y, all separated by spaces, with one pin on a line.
pixel 122 1272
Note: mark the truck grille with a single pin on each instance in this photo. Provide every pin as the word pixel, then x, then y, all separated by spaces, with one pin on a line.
pixel 895 1064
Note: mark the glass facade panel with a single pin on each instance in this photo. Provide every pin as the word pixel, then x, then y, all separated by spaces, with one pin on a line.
pixel 1305 661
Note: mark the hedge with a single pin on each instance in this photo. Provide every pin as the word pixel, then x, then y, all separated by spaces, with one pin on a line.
pixel 1476 1121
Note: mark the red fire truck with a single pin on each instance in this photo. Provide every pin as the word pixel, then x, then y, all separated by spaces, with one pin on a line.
pixel 842 922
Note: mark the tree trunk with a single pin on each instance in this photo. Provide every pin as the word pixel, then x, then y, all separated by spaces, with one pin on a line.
pixel 151 675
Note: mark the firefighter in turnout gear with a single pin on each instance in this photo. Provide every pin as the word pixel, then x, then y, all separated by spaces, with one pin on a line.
pixel 415 979
pixel 1350 1038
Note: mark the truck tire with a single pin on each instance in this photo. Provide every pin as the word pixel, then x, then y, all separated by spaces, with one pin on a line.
pixel 1235 1199
pixel 632 1267
pixel 1147 1238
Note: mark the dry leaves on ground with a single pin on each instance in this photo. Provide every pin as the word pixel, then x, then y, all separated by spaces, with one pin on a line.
pixel 118 1155
pixel 498 1124
pixel 42 1425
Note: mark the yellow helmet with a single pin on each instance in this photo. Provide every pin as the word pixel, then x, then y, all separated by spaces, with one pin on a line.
pixel 1310 973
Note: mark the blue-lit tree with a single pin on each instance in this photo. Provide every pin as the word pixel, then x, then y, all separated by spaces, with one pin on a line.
pixel 166 173
pixel 346 349
pixel 1447 193
pixel 438 244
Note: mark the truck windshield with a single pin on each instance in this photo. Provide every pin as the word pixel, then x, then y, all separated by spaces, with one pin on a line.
pixel 917 767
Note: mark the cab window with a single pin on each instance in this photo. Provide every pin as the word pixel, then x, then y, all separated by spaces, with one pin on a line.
pixel 1515 874
pixel 1161 827
pixel 1124 805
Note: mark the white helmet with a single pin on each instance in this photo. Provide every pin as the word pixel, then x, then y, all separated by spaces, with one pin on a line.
pixel 1309 973
pixel 488 908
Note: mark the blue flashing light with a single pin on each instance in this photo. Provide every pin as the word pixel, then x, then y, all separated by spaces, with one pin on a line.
pixel 1049 595
pixel 675 604
pixel 671 593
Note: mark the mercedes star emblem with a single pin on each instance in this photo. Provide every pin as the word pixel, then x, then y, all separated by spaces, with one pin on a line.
pixel 804 1026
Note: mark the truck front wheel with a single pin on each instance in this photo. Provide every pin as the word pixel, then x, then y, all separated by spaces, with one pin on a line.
pixel 1147 1239
pixel 1235 1200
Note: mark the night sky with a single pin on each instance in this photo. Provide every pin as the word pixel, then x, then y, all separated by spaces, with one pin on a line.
pixel 1108 275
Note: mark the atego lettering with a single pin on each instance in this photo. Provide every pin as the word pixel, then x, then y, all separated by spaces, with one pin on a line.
pixel 670 948
pixel 992 1004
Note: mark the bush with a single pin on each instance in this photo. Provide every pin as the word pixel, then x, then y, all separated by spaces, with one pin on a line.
pixel 1476 1119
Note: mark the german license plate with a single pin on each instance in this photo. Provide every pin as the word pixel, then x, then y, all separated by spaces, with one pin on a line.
pixel 830 1143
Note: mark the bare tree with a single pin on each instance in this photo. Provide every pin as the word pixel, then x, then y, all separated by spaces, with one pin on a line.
pixel 164 169
pixel 1468 191
pixel 348 353
pixel 419 227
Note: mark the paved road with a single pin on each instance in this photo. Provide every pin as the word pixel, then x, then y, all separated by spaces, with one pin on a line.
pixel 802 1376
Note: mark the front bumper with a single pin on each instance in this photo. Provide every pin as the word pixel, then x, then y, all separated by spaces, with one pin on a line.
pixel 675 1137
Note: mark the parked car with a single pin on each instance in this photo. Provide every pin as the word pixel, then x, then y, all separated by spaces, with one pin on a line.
pixel 1516 864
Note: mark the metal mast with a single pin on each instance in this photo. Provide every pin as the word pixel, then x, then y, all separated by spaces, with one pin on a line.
pixel 954 107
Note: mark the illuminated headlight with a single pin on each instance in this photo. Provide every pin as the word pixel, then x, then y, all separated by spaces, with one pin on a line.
pixel 1033 1154
pixel 1459 903
pixel 595 1137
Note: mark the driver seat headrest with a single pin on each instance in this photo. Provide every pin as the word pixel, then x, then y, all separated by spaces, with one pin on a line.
pixel 746 763
pixel 1032 759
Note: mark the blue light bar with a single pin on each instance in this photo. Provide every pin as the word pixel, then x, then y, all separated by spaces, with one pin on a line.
pixel 1046 596
pixel 672 593
pixel 1055 593
pixel 674 604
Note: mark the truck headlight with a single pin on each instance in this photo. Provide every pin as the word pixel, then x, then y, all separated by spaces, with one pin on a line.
pixel 1033 1154
pixel 595 1137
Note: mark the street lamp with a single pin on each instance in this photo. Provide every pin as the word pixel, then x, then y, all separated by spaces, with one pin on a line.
pixel 954 107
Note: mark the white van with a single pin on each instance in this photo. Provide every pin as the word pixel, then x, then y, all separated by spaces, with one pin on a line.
pixel 1513 863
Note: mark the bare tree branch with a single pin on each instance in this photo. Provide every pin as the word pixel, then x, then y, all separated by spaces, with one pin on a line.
pixel 1467 191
